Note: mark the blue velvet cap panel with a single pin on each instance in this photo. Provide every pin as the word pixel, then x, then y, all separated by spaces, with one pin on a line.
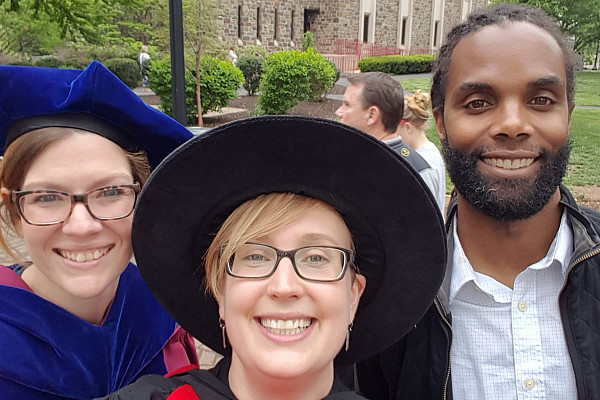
pixel 93 99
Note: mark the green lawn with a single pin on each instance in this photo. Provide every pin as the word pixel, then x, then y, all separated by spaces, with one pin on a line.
pixel 584 166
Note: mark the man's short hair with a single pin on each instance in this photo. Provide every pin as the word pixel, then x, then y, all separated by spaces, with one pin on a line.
pixel 500 14
pixel 381 90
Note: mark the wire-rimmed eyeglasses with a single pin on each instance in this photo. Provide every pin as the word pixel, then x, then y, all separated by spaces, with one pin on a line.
pixel 311 263
pixel 49 207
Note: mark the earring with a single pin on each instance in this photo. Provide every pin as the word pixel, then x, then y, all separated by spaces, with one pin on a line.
pixel 222 325
pixel 348 335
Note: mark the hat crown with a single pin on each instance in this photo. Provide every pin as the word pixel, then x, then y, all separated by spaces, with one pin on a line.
pixel 35 97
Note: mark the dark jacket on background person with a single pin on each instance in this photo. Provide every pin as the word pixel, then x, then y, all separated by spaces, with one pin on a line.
pixel 418 366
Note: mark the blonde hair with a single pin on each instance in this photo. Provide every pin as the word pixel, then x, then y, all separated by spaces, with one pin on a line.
pixel 416 108
pixel 253 219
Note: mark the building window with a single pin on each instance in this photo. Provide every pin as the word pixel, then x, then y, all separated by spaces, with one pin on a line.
pixel 292 25
pixel 276 24
pixel 403 30
pixel 239 21
pixel 258 22
pixel 435 33
pixel 366 27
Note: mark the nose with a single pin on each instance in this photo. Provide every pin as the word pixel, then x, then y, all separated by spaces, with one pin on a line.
pixel 338 112
pixel 284 282
pixel 80 221
pixel 514 120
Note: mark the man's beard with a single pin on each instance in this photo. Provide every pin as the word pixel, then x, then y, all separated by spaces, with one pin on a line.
pixel 506 199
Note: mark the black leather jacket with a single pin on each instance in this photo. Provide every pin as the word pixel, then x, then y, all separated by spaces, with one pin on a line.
pixel 418 366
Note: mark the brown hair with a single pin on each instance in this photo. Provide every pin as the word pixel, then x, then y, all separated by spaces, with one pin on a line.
pixel 381 90
pixel 21 153
pixel 416 108
pixel 253 219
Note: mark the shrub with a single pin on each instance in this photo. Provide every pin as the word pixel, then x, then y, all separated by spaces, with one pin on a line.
pixel 253 50
pixel 161 78
pixel 338 72
pixel 397 64
pixel 219 83
pixel 220 80
pixel 126 69
pixel 320 73
pixel 292 76
pixel 48 61
pixel 308 41
pixel 252 68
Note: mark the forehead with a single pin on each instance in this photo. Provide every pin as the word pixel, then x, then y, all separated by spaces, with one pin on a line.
pixel 79 153
pixel 354 91
pixel 510 53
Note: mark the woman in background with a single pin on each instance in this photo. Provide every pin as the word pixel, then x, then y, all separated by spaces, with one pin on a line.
pixel 413 128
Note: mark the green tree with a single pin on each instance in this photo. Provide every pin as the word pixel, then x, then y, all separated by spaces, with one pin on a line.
pixel 200 37
pixel 80 26
pixel 21 32
pixel 200 34
pixel 579 18
pixel 74 18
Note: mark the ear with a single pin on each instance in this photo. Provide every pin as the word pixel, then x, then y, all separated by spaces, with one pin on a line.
pixel 15 219
pixel 373 115
pixel 439 123
pixel 358 288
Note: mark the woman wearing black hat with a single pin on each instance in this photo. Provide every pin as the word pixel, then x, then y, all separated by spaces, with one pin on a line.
pixel 287 244
pixel 77 320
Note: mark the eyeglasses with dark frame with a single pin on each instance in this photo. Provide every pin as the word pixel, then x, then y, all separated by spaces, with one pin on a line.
pixel 50 207
pixel 311 263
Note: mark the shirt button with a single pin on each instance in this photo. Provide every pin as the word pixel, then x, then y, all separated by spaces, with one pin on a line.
pixel 529 383
pixel 522 306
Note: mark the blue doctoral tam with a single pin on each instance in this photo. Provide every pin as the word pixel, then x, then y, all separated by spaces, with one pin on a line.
pixel 93 99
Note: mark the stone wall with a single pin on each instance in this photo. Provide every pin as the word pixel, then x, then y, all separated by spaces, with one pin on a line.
pixel 386 23
pixel 330 20
pixel 420 37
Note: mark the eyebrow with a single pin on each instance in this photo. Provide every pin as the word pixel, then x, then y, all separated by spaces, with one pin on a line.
pixel 478 86
pixel 105 181
pixel 484 87
pixel 547 81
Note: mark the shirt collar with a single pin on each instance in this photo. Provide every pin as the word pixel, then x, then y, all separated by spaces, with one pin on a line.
pixel 560 251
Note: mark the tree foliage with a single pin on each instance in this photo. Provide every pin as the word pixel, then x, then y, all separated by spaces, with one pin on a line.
pixel 579 18
pixel 35 27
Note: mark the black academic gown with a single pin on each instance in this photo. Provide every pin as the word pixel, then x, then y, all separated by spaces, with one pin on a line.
pixel 199 384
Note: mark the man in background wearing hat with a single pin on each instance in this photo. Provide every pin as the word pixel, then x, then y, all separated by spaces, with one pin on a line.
pixel 76 319
pixel 374 103
pixel 523 277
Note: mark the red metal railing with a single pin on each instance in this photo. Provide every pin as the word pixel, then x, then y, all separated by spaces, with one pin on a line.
pixel 346 53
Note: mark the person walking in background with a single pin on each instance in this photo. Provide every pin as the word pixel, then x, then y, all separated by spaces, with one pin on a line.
pixel 281 267
pixel 233 55
pixel 374 103
pixel 144 61
pixel 522 288
pixel 76 319
pixel 412 130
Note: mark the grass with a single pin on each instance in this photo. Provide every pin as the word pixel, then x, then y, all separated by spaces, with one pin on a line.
pixel 585 129
pixel 588 88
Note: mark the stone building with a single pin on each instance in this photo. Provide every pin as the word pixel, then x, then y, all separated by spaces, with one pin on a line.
pixel 412 26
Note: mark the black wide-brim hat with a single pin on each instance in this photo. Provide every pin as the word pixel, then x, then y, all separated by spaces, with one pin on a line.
pixel 93 99
pixel 397 228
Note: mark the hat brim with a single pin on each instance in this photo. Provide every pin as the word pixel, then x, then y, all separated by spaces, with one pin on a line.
pixel 397 229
